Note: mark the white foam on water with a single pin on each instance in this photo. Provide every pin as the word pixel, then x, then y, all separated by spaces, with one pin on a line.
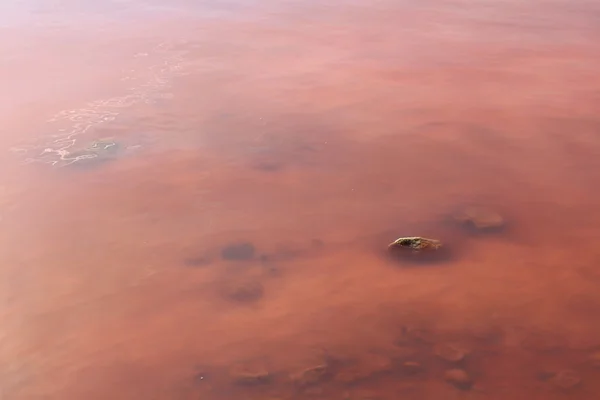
pixel 57 147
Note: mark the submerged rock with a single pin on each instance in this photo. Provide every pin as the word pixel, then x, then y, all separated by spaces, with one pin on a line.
pixel 415 334
pixel 449 352
pixel 459 378
pixel 200 261
pixel 268 165
pixel 365 368
pixel 566 379
pixel 250 374
pixel 480 218
pixel 244 290
pixel 315 372
pixel 412 367
pixel 415 244
pixel 418 249
pixel 238 251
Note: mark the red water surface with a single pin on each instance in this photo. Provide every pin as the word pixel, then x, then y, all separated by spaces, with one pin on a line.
pixel 318 134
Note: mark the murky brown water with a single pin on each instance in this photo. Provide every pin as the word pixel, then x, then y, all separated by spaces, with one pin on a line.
pixel 196 201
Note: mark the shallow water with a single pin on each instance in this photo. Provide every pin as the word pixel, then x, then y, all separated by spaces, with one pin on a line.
pixel 196 200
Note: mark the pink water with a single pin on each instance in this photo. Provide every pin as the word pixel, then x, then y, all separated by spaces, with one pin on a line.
pixel 317 133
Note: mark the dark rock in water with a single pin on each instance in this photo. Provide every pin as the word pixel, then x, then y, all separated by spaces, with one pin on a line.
pixel 545 374
pixel 268 166
pixel 244 291
pixel 459 378
pixel 238 251
pixel 415 244
pixel 196 261
pixel 418 249
pixel 480 219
